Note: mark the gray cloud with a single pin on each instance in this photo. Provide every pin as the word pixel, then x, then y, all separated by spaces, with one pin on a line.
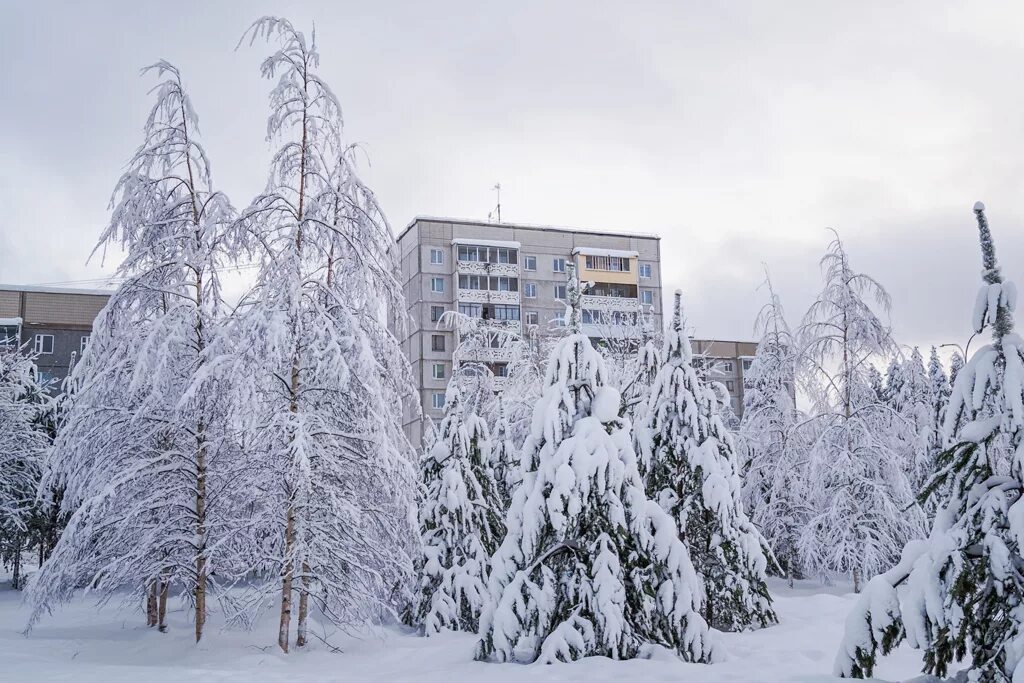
pixel 738 132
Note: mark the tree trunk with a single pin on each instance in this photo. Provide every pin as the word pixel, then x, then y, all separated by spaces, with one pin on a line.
pixel 16 567
pixel 856 580
pixel 151 604
pixel 300 640
pixel 200 595
pixel 162 608
pixel 286 581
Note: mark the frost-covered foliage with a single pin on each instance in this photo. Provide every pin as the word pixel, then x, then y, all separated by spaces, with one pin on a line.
pixel 142 454
pixel 858 488
pixel 504 459
pixel 938 400
pixel 694 476
pixel 589 565
pixel 326 377
pixel 774 450
pixel 958 595
pixel 23 441
pixel 460 522
pixel 911 421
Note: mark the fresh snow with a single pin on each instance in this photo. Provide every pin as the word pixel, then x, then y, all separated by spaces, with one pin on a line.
pixel 83 644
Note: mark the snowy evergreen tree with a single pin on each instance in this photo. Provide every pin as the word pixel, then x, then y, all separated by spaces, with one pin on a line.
pixel 876 382
pixel 325 373
pixel 956 364
pixel 914 426
pixel 958 595
pixel 774 471
pixel 504 456
pixel 694 476
pixel 23 442
pixel 938 400
pixel 141 454
pixel 861 496
pixel 589 565
pixel 460 522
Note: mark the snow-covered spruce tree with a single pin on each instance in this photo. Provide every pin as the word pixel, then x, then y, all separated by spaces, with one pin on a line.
pixel 694 476
pixel 139 453
pixel 861 499
pixel 461 520
pixel 773 474
pixel 589 565
pixel 504 456
pixel 912 423
pixel 328 377
pixel 958 595
pixel 938 400
pixel 956 364
pixel 23 442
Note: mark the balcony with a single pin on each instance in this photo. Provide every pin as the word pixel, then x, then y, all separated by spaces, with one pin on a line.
pixel 485 354
pixel 487 296
pixel 486 268
pixel 611 303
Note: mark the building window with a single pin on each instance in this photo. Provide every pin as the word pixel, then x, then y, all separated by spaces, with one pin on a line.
pixel 83 342
pixel 727 366
pixel 44 343
pixel 647 297
pixel 730 385
pixel 529 263
pixel 472 253
pixel 617 264
pixel 495 283
pixel 530 290
pixel 437 342
pixel 435 313
pixel 558 319
pixel 560 292
pixel 747 362
pixel 532 318
pixel 437 285
pixel 436 256
pixel 645 271
pixel 437 400
pixel 558 265
pixel 500 369
pixel 438 371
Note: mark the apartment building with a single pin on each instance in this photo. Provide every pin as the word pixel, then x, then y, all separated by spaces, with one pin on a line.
pixel 512 277
pixel 726 362
pixel 53 322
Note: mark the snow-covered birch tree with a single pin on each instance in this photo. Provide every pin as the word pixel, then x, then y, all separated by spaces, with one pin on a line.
pixel 958 595
pixel 141 451
pixel 775 470
pixel 694 476
pixel 589 565
pixel 461 519
pixel 328 374
pixel 861 497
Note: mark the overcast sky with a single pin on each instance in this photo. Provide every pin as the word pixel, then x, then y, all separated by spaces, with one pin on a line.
pixel 736 131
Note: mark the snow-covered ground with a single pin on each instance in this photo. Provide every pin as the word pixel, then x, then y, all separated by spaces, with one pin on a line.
pixel 83 644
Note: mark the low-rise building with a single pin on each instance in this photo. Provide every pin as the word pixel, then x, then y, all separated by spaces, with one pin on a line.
pixel 52 322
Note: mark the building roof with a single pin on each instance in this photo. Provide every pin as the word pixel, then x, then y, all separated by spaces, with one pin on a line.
pixel 524 226
pixel 55 290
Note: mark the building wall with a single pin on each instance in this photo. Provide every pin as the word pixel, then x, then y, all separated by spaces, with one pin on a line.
pixel 66 314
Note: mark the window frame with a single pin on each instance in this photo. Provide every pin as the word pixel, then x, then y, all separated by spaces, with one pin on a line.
pixel 529 287
pixel 556 262
pixel 645 271
pixel 565 292
pixel 435 281
pixel 434 346
pixel 434 309
pixel 39 344
pixel 439 253
pixel 434 400
pixel 434 368
pixel 527 260
pixel 647 297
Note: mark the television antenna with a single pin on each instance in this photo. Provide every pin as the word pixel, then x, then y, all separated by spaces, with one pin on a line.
pixel 497 210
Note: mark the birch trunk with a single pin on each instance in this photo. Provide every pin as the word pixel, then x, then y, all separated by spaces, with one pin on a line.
pixel 162 608
pixel 151 604
pixel 300 640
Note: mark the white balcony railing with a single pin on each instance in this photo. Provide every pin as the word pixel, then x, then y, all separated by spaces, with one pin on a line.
pixel 611 303
pixel 486 296
pixel 485 268
pixel 485 354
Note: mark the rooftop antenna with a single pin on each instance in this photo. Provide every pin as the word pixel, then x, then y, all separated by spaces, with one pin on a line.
pixel 496 188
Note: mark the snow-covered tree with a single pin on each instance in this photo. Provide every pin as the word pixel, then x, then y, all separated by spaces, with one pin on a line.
pixel 23 442
pixel 140 455
pixel 958 595
pixel 327 376
pixel 694 476
pixel 589 565
pixel 938 400
pixel 956 364
pixel 858 486
pixel 504 456
pixel 774 471
pixel 912 419
pixel 460 522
